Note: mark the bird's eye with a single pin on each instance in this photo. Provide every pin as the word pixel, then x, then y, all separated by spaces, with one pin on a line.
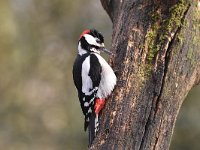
pixel 98 41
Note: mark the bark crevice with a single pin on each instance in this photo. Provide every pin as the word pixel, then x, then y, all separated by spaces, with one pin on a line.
pixel 157 97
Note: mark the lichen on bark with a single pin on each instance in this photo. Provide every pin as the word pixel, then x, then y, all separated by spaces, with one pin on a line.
pixel 164 29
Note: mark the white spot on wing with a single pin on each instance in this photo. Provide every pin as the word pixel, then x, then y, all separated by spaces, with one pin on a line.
pixel 89 110
pixel 86 104
pixel 88 119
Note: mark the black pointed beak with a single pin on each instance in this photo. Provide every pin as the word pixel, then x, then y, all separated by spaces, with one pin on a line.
pixel 105 50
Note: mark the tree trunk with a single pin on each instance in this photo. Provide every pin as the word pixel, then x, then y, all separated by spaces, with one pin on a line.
pixel 156 46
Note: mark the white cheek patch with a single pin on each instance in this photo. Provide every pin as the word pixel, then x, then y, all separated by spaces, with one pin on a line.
pixel 91 40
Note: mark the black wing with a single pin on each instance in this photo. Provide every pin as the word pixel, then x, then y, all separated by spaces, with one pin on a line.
pixel 87 100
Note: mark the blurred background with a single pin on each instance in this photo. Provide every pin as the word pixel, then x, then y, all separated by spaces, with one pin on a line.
pixel 39 107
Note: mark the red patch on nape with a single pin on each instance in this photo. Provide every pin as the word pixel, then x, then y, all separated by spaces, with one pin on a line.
pixel 84 32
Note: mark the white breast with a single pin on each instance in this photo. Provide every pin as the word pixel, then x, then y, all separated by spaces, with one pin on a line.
pixel 108 79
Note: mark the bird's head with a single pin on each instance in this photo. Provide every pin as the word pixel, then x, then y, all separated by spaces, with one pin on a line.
pixel 91 41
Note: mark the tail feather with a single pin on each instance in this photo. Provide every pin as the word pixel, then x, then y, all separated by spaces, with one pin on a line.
pixel 93 124
pixel 91 128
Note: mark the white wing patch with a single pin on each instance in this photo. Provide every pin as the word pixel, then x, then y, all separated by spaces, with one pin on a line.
pixel 86 80
pixel 108 79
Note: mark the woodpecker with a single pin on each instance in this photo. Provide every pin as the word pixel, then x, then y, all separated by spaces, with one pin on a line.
pixel 93 78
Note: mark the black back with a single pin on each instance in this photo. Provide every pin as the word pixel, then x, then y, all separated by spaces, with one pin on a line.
pixel 95 70
pixel 77 67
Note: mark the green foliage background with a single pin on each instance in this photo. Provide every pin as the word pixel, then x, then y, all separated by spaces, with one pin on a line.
pixel 39 107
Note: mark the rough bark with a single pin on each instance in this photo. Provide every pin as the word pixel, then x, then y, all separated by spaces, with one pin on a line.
pixel 156 47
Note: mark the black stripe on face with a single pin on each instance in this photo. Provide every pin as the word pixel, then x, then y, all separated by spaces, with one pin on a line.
pixel 84 44
pixel 94 46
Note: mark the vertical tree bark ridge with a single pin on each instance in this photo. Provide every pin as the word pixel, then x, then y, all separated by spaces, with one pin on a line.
pixel 156 58
pixel 112 7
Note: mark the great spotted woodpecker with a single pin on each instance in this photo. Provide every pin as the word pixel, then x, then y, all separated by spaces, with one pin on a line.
pixel 93 78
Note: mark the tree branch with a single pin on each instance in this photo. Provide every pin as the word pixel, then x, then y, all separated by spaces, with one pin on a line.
pixel 157 58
